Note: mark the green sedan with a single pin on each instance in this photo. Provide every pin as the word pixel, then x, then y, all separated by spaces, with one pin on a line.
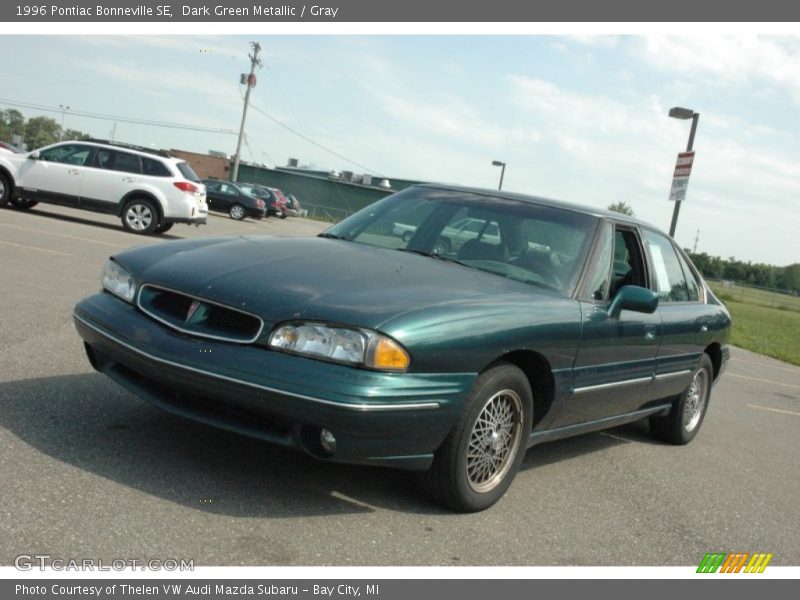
pixel 414 352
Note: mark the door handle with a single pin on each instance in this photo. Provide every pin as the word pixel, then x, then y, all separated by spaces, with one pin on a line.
pixel 649 333
pixel 127 179
pixel 73 172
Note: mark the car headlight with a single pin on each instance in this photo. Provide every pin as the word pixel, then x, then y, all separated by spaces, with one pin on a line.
pixel 339 344
pixel 118 281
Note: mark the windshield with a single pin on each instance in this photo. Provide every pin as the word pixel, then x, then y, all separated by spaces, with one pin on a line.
pixel 535 244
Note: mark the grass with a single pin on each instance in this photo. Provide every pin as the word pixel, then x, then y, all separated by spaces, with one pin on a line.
pixel 750 295
pixel 770 331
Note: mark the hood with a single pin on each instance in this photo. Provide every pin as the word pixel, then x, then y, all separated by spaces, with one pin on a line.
pixel 318 279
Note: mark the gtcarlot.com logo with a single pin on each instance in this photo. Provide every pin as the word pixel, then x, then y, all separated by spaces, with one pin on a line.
pixel 736 562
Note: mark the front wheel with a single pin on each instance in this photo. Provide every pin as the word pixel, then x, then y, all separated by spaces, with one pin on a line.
pixel 140 216
pixel 480 457
pixel 688 411
pixel 163 228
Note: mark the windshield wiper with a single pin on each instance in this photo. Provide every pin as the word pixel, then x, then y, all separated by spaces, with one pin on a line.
pixel 432 255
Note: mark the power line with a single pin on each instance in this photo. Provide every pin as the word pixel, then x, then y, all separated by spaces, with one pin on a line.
pixel 308 139
pixel 107 117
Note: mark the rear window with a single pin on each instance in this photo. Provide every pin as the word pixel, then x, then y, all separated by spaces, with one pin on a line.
pixel 187 172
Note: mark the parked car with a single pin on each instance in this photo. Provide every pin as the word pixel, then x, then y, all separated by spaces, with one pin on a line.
pixel 360 350
pixel 148 189
pixel 236 200
pixel 275 207
pixel 9 148
pixel 293 207
pixel 278 204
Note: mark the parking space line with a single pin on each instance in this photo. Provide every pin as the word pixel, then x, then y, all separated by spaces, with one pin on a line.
pixel 791 385
pixel 35 248
pixel 771 366
pixel 64 235
pixel 777 410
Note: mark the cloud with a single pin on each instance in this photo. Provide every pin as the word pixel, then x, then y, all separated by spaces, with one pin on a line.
pixel 728 60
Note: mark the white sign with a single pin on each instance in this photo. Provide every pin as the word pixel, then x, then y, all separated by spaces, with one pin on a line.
pixel 680 179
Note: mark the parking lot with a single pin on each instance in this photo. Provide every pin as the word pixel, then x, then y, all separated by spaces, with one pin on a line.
pixel 89 470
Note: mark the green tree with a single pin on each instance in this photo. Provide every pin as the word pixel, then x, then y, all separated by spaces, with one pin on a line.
pixel 74 134
pixel 623 208
pixel 41 131
pixel 12 122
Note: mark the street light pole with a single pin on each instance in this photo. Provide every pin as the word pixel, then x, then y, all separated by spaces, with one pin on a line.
pixel 497 163
pixel 683 113
pixel 64 109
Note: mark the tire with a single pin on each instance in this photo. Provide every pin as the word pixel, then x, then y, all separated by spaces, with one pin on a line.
pixel 5 190
pixel 478 460
pixel 236 211
pixel 282 215
pixel 688 411
pixel 22 203
pixel 140 216
pixel 163 228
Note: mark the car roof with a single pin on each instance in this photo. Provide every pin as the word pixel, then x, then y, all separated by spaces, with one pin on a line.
pixel 112 145
pixel 571 206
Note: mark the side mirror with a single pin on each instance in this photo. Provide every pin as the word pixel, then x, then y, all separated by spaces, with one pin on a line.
pixel 633 297
pixel 34 155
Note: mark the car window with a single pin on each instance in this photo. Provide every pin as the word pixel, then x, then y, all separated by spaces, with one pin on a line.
pixel 154 168
pixel 187 172
pixel 598 283
pixel 227 189
pixel 128 163
pixel 514 239
pixel 667 271
pixel 70 154
pixel 692 285
pixel 628 266
pixel 211 186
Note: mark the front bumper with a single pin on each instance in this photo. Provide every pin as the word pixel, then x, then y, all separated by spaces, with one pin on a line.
pixel 390 419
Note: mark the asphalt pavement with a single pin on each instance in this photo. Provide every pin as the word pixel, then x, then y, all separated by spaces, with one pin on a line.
pixel 89 470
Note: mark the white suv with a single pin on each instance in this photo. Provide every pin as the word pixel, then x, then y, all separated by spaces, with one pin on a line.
pixel 148 189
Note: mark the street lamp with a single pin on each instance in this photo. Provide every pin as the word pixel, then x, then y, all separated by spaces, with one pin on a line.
pixel 64 109
pixel 682 113
pixel 497 163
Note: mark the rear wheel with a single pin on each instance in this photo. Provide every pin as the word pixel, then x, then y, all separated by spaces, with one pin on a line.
pixel 236 211
pixel 480 457
pixel 22 203
pixel 140 216
pixel 164 228
pixel 688 411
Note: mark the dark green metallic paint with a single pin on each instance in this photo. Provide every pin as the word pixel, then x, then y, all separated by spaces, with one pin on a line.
pixel 606 363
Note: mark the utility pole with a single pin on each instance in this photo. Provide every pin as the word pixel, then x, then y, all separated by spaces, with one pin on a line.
pixel 696 239
pixel 64 109
pixel 251 82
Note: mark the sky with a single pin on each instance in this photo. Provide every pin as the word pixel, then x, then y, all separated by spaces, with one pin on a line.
pixel 578 118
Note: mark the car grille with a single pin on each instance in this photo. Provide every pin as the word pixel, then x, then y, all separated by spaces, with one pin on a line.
pixel 197 316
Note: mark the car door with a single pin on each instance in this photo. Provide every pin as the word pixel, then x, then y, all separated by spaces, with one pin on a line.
pixel 110 176
pixel 685 330
pixel 56 175
pixel 615 362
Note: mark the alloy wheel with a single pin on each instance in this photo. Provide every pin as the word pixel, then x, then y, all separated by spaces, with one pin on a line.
pixel 494 441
